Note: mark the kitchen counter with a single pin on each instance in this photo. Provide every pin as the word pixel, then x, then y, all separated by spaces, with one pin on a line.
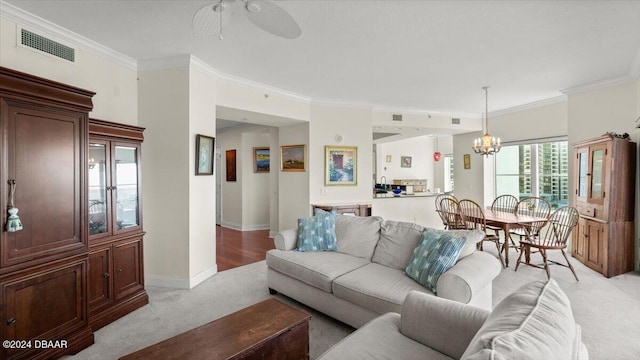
pixel 419 208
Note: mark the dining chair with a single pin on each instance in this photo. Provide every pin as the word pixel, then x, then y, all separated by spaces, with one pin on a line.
pixel 504 203
pixel 439 208
pixel 473 218
pixel 553 236
pixel 532 206
pixel 450 214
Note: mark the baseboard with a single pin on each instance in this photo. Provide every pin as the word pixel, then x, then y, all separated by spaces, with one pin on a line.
pixel 185 284
pixel 245 227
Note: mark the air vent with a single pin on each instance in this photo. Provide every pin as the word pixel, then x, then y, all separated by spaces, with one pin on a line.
pixel 397 117
pixel 455 121
pixel 48 46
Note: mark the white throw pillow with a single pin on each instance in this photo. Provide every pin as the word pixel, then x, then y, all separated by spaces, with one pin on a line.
pixel 535 322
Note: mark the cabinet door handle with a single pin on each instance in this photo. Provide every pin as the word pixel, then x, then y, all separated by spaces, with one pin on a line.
pixel 11 321
pixel 119 270
pixel 105 275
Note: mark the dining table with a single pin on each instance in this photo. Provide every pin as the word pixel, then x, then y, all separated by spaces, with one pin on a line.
pixel 508 221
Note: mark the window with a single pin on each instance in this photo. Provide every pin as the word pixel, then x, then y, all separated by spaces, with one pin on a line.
pixel 534 169
pixel 448 173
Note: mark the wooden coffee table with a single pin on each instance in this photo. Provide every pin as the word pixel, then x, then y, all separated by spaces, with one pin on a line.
pixel 266 330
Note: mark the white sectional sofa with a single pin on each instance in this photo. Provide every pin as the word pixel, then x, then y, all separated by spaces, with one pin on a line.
pixel 365 277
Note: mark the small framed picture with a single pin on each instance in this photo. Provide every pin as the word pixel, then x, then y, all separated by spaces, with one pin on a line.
pixel 405 161
pixel 341 165
pixel 204 154
pixel 467 161
pixel 261 160
pixel 388 158
pixel 230 156
pixel 293 158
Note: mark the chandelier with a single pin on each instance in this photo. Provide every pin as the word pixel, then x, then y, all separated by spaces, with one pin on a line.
pixel 487 144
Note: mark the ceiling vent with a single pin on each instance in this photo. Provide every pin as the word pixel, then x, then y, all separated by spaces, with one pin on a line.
pixel 396 117
pixel 455 121
pixel 41 43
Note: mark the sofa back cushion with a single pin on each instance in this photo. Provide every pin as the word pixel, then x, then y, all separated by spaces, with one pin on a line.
pixel 398 239
pixel 473 237
pixel 534 322
pixel 358 235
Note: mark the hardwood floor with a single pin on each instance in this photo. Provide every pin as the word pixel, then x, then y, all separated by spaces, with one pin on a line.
pixel 236 248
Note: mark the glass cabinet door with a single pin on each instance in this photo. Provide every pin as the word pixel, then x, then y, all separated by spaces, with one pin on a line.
pixel 583 169
pixel 125 185
pixel 597 173
pixel 98 198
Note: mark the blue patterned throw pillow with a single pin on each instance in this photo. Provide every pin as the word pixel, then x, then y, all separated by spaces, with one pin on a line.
pixel 317 233
pixel 435 254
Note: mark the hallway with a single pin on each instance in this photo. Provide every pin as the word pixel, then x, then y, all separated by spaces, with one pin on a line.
pixel 236 248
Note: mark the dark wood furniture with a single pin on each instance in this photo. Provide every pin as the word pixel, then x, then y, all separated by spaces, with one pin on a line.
pixel 266 330
pixel 508 221
pixel 604 181
pixel 116 274
pixel 43 267
pixel 345 209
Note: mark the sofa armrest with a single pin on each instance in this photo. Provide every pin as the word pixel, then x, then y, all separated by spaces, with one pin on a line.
pixel 443 325
pixel 468 277
pixel 286 239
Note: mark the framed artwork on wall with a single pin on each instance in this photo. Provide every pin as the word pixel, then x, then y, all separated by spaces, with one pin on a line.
pixel 467 161
pixel 261 160
pixel 293 158
pixel 204 154
pixel 341 165
pixel 405 161
pixel 231 165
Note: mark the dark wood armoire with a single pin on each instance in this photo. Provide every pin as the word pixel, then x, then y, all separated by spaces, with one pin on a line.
pixel 44 266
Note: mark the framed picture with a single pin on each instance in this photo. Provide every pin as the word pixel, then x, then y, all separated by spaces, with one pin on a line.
pixel 405 161
pixel 388 159
pixel 467 161
pixel 293 158
pixel 341 165
pixel 204 154
pixel 231 164
pixel 261 160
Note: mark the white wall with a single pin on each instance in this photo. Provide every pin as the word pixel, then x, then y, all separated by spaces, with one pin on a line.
pixel 231 190
pixel 354 125
pixel 469 183
pixel 256 187
pixel 202 189
pixel 293 187
pixel 445 146
pixel 420 149
pixel 164 111
pixel 115 86
pixel 537 123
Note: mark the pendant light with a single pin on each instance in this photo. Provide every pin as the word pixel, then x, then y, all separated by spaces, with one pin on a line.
pixel 487 144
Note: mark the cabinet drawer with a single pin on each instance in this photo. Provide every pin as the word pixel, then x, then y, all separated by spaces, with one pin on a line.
pixel 421 182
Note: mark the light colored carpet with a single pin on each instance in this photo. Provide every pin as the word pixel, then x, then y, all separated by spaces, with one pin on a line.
pixel 607 309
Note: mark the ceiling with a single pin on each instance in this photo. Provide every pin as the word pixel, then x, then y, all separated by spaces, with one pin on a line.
pixel 430 56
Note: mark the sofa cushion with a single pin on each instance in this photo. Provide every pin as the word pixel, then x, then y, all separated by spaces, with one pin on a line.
pixel 317 269
pixel 397 241
pixel 436 253
pixel 380 339
pixel 317 233
pixel 358 235
pixel 534 322
pixel 376 287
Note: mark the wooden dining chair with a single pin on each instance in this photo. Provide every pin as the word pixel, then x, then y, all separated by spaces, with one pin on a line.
pixel 474 218
pixel 532 206
pixel 504 203
pixel 450 214
pixel 553 236
pixel 439 208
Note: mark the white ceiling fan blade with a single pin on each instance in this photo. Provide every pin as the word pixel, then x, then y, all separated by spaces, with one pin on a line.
pixel 271 18
pixel 210 19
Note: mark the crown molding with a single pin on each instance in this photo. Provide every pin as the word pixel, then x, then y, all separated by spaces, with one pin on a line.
pixel 46 28
pixel 597 85
pixel 529 106
pixel 169 62
pixel 409 111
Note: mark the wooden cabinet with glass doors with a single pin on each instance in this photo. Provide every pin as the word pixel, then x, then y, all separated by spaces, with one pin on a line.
pixel 604 174
pixel 116 283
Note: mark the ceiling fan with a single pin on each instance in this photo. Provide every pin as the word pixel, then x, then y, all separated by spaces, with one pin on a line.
pixel 209 20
